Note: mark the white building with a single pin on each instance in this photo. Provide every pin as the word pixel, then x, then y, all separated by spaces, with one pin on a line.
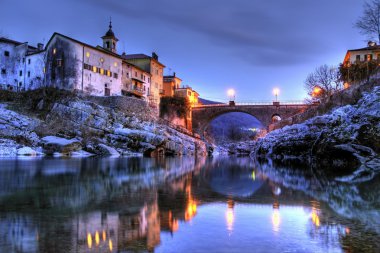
pixel 369 53
pixel 21 65
pixel 67 63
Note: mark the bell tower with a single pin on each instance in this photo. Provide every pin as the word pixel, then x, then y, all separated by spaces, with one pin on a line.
pixel 109 39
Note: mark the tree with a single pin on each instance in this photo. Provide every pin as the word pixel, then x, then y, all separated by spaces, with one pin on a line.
pixel 369 23
pixel 323 82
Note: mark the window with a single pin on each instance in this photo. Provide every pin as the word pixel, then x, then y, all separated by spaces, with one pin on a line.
pixel 28 61
pixel 107 44
pixel 23 60
pixel 115 64
pixel 358 57
pixel 142 76
pixel 94 69
pixel 115 75
pixel 59 62
pixel 3 71
pixel 28 73
pixel 101 59
pixel 102 71
pixel 98 70
pixel 86 66
pixel 369 57
pixel 6 53
pixel 148 79
pixel 128 74
pixel 20 83
pixel 88 54
pixel 135 73
pixel 54 51
pixel 20 72
pixel 109 73
pixel 189 93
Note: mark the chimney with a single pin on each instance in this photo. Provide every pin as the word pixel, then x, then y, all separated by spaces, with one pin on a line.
pixel 154 56
pixel 40 46
pixel 174 74
pixel 371 43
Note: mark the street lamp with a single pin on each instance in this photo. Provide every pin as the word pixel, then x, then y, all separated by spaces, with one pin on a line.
pixel 231 96
pixel 276 91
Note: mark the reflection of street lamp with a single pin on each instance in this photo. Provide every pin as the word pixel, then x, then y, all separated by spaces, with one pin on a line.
pixel 276 91
pixel 231 96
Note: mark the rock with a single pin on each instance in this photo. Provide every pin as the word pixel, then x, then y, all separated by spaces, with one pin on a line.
pixel 54 144
pixel 8 148
pixel 27 151
pixel 104 150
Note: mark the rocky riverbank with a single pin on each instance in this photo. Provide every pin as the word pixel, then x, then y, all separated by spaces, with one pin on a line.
pixel 346 137
pixel 76 125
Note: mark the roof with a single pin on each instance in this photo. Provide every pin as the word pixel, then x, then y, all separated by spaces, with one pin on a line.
pixel 172 77
pixel 377 47
pixel 17 43
pixel 141 56
pixel 110 33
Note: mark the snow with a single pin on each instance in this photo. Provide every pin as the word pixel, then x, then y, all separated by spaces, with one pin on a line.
pixel 58 140
pixel 27 151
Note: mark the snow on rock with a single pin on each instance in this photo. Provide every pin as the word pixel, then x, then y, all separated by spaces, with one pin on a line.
pixel 105 150
pixel 8 148
pixel 27 151
pixel 53 144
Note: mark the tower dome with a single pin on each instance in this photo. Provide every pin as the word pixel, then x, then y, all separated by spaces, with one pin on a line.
pixel 110 40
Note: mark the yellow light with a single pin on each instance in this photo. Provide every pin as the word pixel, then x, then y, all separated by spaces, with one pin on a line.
pixel 231 92
pixel 115 64
pixel 104 236
pixel 94 69
pixel 276 220
pixel 102 71
pixel 276 91
pixel 253 175
pixel 230 217
pixel 315 218
pixel 97 238
pixel 110 245
pixel 88 54
pixel 54 50
pixel 89 240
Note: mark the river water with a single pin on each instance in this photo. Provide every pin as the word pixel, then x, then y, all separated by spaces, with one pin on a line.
pixel 182 205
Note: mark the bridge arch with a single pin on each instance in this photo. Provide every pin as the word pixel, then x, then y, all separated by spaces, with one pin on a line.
pixel 203 115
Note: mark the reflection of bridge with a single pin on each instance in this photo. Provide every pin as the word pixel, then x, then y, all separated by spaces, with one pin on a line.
pixel 264 112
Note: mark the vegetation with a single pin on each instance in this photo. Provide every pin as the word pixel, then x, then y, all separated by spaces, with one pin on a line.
pixel 369 23
pixel 323 82
pixel 174 106
pixel 359 71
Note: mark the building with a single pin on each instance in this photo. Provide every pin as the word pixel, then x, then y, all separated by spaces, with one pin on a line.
pixel 369 53
pixel 171 83
pixel 187 92
pixel 67 63
pixel 21 65
pixel 151 65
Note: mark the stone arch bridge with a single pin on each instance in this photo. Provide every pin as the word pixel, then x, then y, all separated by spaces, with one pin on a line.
pixel 203 115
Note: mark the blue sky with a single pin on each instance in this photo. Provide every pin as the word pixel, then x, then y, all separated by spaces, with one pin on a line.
pixel 249 45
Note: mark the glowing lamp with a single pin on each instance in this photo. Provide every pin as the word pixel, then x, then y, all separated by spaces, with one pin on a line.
pixel 231 92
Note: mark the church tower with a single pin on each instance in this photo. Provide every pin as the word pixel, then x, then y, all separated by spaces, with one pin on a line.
pixel 109 40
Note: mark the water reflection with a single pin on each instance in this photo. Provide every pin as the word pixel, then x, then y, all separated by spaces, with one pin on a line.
pixel 171 205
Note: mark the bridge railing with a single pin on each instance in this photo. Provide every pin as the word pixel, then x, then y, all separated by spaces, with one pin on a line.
pixel 289 102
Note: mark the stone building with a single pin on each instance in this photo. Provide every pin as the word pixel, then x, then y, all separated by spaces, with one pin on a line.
pixel 21 65
pixel 151 65
pixel 187 92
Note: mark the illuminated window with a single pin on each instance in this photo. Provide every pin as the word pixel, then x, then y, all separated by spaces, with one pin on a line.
pixel 44 70
pixel 101 60
pixel 88 54
pixel 115 64
pixel 108 73
pixel 94 69
pixel 102 71
pixel 54 50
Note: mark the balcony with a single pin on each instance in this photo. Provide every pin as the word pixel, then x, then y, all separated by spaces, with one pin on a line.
pixel 162 92
pixel 133 91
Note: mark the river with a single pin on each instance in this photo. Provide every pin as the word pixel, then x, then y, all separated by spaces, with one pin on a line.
pixel 223 204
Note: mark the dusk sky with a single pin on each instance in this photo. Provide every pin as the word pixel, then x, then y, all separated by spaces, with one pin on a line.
pixel 249 45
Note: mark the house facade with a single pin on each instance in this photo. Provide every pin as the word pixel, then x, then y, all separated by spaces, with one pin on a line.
pixel 171 83
pixel 188 93
pixel 369 53
pixel 21 65
pixel 151 65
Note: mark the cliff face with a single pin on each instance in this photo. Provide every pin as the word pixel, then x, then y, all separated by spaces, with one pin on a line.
pixel 349 135
pixel 109 126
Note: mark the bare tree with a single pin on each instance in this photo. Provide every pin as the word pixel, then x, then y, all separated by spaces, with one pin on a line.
pixel 323 82
pixel 369 23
